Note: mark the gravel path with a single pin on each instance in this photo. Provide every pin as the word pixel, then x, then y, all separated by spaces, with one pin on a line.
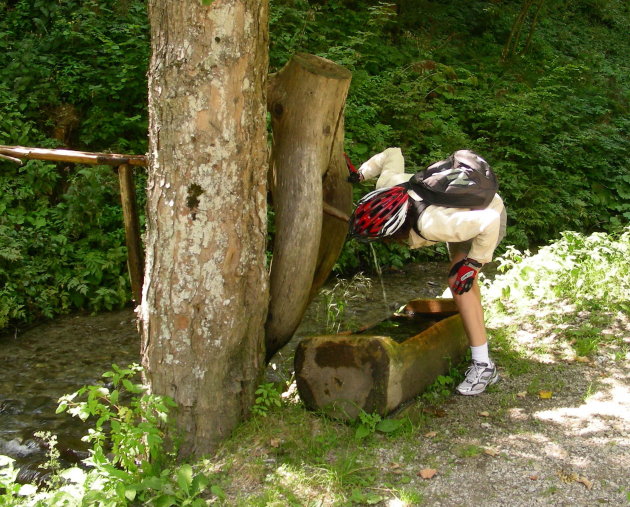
pixel 556 434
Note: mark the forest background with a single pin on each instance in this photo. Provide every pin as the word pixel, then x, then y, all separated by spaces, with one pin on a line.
pixel 547 106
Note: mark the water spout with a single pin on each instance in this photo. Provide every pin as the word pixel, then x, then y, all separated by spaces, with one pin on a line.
pixel 379 272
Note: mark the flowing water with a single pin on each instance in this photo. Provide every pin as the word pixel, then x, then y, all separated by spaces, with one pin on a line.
pixel 43 363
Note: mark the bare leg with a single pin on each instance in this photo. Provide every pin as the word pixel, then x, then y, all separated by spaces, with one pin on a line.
pixel 482 372
pixel 470 309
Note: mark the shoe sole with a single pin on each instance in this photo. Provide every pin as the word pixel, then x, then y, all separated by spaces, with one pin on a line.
pixel 493 380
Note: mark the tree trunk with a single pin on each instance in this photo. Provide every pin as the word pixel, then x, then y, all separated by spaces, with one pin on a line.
pixel 509 49
pixel 306 100
pixel 206 289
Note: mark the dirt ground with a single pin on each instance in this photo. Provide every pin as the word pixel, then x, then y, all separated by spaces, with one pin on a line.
pixel 555 433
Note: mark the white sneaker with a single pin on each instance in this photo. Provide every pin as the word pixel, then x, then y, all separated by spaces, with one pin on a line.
pixel 478 377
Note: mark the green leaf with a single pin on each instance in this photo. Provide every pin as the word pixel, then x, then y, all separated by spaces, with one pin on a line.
pixel 119 474
pixel 153 483
pixel 131 387
pixel 5 460
pixel 113 397
pixel 389 425
pixel 362 432
pixel 218 492
pixel 199 484
pixel 130 493
pixel 27 490
pixel 184 477
pixel 165 501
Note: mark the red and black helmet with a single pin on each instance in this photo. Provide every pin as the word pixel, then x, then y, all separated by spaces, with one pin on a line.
pixel 380 214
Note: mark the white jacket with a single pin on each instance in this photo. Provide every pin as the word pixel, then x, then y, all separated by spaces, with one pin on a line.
pixel 440 223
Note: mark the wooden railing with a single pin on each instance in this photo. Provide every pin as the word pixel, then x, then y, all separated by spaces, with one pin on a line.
pixel 124 166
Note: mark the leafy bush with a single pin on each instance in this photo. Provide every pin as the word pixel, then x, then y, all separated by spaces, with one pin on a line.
pixel 59 251
pixel 573 292
pixel 74 75
pixel 77 70
pixel 551 119
pixel 130 460
pixel 587 271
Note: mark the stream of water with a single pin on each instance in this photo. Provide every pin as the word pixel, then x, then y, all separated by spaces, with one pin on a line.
pixel 58 357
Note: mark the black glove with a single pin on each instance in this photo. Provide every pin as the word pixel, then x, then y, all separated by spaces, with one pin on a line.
pixel 465 272
pixel 354 177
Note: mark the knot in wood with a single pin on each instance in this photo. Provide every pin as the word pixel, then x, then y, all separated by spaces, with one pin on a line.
pixel 278 109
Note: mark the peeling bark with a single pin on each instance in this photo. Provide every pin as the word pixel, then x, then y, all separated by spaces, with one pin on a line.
pixel 206 288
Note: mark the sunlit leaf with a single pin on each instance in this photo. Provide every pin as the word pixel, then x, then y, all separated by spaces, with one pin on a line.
pixel 27 490
pixel 184 477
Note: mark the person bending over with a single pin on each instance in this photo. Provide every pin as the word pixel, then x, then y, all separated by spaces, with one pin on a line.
pixel 471 236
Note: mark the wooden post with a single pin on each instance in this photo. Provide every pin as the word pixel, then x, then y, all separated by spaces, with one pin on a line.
pixel 337 195
pixel 306 100
pixel 135 257
pixel 124 165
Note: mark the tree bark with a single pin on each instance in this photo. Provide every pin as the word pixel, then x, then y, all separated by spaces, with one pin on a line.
pixel 206 288
pixel 306 100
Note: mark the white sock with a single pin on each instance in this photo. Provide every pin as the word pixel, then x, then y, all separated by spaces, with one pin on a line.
pixel 480 354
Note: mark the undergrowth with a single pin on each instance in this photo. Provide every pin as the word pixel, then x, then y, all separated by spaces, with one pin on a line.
pixel 575 288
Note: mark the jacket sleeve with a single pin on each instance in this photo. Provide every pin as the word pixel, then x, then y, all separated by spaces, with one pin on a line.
pixel 389 166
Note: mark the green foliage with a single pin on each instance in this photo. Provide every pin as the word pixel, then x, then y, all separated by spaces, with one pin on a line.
pixel 587 270
pixel 367 424
pixel 267 397
pixel 130 462
pixel 74 75
pixel 577 275
pixel 441 389
pixel 59 251
pixel 76 71
pixel 552 120
pixel 10 489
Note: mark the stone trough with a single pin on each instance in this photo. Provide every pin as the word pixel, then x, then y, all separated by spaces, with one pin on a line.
pixel 378 368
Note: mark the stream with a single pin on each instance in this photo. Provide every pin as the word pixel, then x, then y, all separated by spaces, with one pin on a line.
pixel 58 357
